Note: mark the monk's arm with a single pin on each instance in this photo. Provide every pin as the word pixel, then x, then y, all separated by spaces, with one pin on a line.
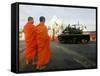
pixel 40 39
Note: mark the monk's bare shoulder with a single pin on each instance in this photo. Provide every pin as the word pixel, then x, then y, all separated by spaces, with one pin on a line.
pixel 46 27
pixel 38 26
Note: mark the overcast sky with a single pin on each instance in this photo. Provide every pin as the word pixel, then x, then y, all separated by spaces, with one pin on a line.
pixel 67 15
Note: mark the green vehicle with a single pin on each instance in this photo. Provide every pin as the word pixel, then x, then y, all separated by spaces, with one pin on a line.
pixel 73 35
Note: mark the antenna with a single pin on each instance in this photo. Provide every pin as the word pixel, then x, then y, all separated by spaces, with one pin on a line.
pixel 78 23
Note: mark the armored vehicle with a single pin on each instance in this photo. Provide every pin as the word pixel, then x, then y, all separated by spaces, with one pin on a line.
pixel 73 34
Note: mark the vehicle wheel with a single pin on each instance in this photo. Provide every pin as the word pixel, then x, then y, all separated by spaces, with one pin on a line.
pixel 74 41
pixel 84 41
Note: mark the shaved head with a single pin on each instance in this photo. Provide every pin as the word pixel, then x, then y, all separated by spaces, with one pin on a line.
pixel 30 18
pixel 42 19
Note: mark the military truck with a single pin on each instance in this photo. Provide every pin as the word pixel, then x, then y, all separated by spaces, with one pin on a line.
pixel 73 35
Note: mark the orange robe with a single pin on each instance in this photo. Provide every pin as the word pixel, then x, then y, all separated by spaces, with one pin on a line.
pixel 43 44
pixel 30 41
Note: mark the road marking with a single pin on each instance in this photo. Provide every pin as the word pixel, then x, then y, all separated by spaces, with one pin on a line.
pixel 77 57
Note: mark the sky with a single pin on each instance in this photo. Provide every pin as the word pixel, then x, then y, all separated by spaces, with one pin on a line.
pixel 68 15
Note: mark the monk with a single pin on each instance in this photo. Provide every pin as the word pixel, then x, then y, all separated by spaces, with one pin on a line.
pixel 43 44
pixel 30 40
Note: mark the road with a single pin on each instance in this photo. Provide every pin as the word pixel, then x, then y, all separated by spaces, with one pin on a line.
pixel 64 56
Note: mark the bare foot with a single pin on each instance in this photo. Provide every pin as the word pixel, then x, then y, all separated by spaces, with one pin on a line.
pixel 27 62
pixel 33 63
pixel 40 68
